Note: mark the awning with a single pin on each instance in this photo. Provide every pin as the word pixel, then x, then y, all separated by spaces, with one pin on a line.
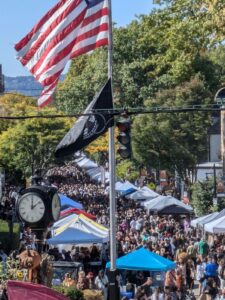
pixel 76 211
pixel 76 236
pixel 66 202
pixel 144 260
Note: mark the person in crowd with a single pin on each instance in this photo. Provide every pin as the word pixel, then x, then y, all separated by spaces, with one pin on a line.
pixel 200 273
pixel 68 281
pixel 3 255
pixel 140 294
pixel 101 283
pixel 158 294
pixel 147 286
pixel 82 281
pixel 211 288
pixel 192 252
pixel 203 248
pixel 91 283
pixel 221 273
pixel 170 280
pixel 190 274
pixel 179 282
pixel 211 269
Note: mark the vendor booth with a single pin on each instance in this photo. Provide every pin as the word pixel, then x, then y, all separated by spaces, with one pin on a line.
pixel 91 168
pixel 144 260
pixel 143 194
pixel 72 210
pixel 211 218
pixel 73 235
pixel 66 202
pixel 82 223
pixel 196 222
pixel 216 226
pixel 167 205
pixel 125 188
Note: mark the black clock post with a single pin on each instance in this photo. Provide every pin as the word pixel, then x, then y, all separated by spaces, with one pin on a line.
pixel 38 207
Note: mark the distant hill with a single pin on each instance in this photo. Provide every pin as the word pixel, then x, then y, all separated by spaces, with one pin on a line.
pixel 25 85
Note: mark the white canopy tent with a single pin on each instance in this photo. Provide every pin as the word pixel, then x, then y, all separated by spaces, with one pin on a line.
pixel 91 168
pixel 211 218
pixel 195 223
pixel 125 188
pixel 163 203
pixel 82 223
pixel 72 235
pixel 143 194
pixel 216 226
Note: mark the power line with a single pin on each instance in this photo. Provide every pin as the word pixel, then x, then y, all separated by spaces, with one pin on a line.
pixel 129 111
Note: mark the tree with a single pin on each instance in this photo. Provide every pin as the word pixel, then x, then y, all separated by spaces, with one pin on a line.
pixel 30 144
pixel 202 197
pixel 126 169
pixel 173 141
pixel 86 76
pixel 15 105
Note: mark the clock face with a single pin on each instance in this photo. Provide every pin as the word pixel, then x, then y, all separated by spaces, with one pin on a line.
pixel 56 206
pixel 31 208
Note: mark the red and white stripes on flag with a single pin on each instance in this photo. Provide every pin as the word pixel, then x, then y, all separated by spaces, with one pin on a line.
pixel 69 29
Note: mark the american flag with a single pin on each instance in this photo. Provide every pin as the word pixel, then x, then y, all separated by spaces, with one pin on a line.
pixel 69 29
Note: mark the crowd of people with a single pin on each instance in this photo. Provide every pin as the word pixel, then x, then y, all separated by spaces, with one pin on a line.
pixel 198 261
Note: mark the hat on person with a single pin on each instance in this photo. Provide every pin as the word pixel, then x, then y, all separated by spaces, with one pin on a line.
pixel 90 275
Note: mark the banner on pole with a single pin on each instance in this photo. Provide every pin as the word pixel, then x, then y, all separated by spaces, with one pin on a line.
pixel 89 127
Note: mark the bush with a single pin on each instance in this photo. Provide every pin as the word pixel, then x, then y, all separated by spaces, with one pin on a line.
pixel 93 295
pixel 71 292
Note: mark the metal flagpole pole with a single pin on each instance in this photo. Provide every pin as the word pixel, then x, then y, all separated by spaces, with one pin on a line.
pixel 113 284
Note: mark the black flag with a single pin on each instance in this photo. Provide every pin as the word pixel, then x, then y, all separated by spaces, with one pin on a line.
pixel 88 128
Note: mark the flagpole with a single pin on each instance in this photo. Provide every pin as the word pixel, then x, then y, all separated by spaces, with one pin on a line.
pixel 113 283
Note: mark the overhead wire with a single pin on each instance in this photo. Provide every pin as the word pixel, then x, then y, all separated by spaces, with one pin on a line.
pixel 119 111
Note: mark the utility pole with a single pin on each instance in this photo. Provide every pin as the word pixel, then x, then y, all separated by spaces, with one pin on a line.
pixel 220 99
pixel 215 202
pixel 2 85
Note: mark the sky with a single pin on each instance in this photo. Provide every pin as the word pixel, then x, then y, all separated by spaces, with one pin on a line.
pixel 19 16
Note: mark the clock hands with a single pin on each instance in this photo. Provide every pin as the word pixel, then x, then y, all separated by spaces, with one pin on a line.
pixel 32 202
pixel 34 205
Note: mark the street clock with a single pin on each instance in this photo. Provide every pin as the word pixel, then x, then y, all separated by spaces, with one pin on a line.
pixel 39 206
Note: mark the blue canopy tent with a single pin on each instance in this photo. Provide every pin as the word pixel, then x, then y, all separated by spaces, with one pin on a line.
pixel 144 260
pixel 73 235
pixel 67 202
pixel 125 188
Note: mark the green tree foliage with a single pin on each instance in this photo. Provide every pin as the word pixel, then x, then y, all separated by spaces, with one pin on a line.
pixel 29 144
pixel 15 105
pixel 173 141
pixel 127 170
pixel 202 197
pixel 86 76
